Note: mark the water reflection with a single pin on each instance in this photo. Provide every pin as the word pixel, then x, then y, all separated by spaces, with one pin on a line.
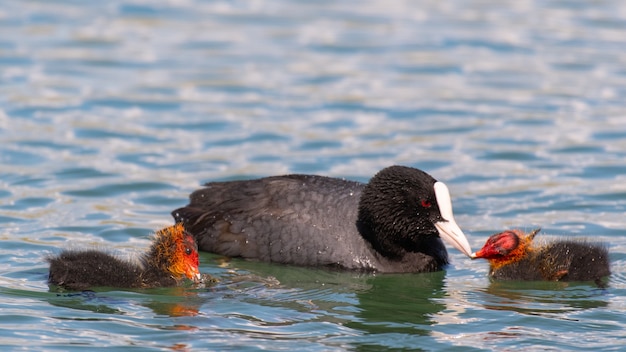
pixel 173 302
pixel 539 298
pixel 399 303
pixel 371 303
pixel 87 300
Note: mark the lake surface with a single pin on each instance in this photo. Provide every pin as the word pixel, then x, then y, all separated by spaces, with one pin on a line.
pixel 112 112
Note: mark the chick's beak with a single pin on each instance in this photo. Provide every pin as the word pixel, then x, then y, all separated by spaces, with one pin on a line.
pixel 477 255
pixel 193 274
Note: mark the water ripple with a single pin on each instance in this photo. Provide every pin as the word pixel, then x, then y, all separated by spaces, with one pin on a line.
pixel 111 113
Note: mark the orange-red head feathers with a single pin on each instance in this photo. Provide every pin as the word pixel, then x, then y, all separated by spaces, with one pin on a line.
pixel 176 251
pixel 506 247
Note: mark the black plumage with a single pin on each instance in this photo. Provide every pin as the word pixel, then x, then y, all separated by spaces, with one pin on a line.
pixel 391 224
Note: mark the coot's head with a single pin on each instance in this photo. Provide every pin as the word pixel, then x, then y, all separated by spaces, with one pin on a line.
pixel 175 251
pixel 405 209
pixel 505 247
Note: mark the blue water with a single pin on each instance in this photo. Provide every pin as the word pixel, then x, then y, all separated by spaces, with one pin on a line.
pixel 112 112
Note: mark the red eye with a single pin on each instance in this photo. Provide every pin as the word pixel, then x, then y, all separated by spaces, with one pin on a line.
pixel 426 203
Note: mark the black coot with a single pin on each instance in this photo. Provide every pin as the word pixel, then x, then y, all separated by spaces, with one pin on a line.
pixel 394 223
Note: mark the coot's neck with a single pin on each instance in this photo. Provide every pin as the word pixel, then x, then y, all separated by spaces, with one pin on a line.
pixel 395 244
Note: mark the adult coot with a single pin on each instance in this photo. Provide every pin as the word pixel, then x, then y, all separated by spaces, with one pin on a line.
pixel 394 223
pixel 172 257
pixel 513 256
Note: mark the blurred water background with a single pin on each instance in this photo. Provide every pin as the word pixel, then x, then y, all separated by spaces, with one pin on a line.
pixel 112 112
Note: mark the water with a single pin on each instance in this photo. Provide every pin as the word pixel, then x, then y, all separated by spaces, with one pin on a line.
pixel 112 112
